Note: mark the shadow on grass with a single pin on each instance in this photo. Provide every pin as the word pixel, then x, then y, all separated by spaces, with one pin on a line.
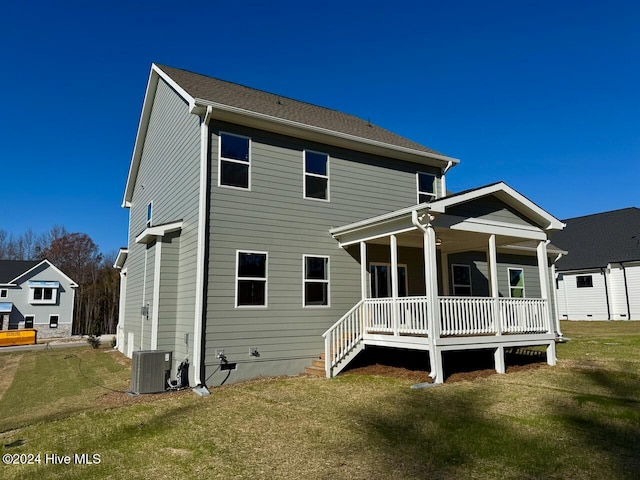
pixel 590 431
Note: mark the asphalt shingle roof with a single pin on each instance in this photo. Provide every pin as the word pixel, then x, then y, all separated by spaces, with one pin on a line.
pixel 258 101
pixel 594 241
pixel 10 269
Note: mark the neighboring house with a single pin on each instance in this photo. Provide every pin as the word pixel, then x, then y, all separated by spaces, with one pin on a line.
pixel 36 294
pixel 600 277
pixel 264 231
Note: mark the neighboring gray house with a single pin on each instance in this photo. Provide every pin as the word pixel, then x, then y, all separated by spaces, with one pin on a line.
pixel 36 294
pixel 264 231
pixel 600 277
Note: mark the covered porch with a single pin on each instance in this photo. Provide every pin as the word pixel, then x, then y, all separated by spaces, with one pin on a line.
pixel 476 249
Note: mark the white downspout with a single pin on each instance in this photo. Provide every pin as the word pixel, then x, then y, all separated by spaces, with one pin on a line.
pixel 201 248
pixel 555 294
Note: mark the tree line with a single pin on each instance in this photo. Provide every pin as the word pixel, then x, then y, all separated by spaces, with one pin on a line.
pixel 76 254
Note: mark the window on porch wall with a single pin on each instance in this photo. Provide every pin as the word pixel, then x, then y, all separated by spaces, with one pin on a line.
pixel 516 283
pixel 461 280
pixel 381 280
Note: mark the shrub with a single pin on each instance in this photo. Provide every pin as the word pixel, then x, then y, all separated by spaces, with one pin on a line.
pixel 94 340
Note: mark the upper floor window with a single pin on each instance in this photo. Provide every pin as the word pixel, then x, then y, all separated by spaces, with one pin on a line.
pixel 516 283
pixel 584 281
pixel 316 281
pixel 316 175
pixel 235 161
pixel 251 279
pixel 149 214
pixel 4 293
pixel 426 187
pixel 43 292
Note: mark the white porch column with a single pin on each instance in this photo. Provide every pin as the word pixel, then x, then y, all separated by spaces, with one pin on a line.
pixel 363 270
pixel 543 271
pixel 493 277
pixel 394 282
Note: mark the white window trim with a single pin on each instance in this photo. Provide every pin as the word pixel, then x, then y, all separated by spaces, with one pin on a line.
pixel 53 301
pixel 305 280
pixel 265 279
pixel 388 265
pixel 524 293
pixel 305 174
pixel 232 160
pixel 454 285
pixel 57 323
pixel 434 195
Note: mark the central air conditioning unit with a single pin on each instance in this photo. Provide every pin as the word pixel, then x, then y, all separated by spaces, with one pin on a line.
pixel 150 371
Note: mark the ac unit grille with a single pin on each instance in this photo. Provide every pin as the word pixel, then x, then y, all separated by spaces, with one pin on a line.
pixel 150 370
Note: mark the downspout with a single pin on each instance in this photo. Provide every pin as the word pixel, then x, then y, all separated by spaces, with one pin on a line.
pixel 201 284
pixel 606 291
pixel 443 181
pixel 433 358
pixel 626 290
pixel 555 294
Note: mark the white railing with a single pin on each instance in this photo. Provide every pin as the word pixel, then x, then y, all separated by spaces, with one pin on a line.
pixel 524 315
pixel 459 316
pixel 466 315
pixel 343 336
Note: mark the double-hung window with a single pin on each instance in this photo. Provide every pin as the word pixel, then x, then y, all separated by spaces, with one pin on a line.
pixel 251 279
pixel 235 161
pixel 316 281
pixel 461 275
pixel 516 283
pixel 316 175
pixel 426 187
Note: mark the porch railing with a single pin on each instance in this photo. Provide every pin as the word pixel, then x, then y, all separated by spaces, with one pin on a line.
pixel 459 316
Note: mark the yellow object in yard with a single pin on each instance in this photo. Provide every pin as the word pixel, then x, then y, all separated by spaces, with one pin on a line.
pixel 18 337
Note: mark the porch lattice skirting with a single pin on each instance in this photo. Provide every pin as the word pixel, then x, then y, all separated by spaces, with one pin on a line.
pixel 464 323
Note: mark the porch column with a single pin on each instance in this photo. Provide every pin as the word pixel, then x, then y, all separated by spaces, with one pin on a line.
pixel 493 278
pixel 394 283
pixel 363 270
pixel 543 271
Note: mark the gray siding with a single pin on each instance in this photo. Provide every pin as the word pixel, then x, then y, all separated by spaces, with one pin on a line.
pixel 168 176
pixel 489 208
pixel 274 217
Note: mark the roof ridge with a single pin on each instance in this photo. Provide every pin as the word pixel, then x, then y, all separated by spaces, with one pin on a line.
pixel 617 210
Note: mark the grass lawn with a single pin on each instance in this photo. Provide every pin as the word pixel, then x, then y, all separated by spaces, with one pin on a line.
pixel 580 419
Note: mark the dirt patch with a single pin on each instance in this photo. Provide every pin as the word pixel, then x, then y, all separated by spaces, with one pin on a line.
pixel 458 366
pixel 9 368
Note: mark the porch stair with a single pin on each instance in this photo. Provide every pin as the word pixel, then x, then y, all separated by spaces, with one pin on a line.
pixel 317 368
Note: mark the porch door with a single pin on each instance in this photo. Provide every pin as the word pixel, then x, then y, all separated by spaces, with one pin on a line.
pixel 380 286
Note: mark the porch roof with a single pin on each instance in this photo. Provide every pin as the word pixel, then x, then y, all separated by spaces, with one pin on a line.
pixel 448 226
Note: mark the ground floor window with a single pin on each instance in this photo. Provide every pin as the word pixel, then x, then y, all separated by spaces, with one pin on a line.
pixel 28 321
pixel 316 281
pixel 251 279
pixel 516 283
pixel 461 275
pixel 53 321
pixel 584 281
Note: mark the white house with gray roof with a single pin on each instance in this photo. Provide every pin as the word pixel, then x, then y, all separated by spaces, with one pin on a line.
pixel 269 234
pixel 599 279
pixel 36 294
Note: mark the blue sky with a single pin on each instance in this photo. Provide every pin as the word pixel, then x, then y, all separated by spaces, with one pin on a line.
pixel 544 95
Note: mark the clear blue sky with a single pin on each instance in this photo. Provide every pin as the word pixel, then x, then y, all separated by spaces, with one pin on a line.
pixel 544 95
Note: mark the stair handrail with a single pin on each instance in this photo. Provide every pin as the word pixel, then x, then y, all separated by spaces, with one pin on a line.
pixel 339 355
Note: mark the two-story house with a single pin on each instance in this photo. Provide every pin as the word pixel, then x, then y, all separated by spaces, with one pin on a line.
pixel 36 294
pixel 264 231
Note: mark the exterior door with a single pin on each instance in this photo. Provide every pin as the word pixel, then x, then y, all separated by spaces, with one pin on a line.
pixel 380 274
